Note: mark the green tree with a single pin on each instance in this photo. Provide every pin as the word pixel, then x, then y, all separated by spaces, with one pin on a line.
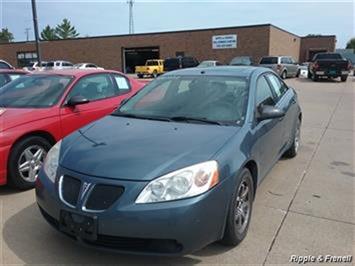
pixel 49 34
pixel 6 36
pixel 65 30
pixel 351 44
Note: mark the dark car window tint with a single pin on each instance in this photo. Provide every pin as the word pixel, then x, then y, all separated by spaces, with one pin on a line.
pixel 3 79
pixel 213 98
pixel 94 87
pixel 277 85
pixel 268 60
pixel 263 93
pixel 34 91
pixel 4 66
pixel 327 56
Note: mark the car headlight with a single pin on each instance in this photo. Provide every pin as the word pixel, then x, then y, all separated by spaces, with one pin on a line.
pixel 183 183
pixel 52 161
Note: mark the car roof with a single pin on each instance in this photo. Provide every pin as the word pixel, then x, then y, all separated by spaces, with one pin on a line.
pixel 74 72
pixel 18 71
pixel 236 71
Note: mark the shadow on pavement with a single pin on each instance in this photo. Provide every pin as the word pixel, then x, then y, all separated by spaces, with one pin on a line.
pixel 6 190
pixel 30 239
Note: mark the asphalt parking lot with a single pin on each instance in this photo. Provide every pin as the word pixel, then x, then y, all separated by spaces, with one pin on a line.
pixel 305 206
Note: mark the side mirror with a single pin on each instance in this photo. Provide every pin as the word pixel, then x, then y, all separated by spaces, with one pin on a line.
pixel 77 100
pixel 269 112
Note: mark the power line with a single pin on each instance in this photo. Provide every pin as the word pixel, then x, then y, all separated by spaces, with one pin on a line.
pixel 131 21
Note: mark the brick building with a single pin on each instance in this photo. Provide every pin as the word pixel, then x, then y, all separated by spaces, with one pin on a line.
pixel 123 52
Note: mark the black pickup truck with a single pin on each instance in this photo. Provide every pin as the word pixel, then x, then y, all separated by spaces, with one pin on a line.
pixel 330 65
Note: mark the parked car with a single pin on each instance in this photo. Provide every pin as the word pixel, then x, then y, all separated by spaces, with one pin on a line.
pixel 179 62
pixel 41 108
pixel 7 75
pixel 34 66
pixel 241 61
pixel 303 69
pixel 87 66
pixel 58 65
pixel 209 63
pixel 285 66
pixel 176 167
pixel 152 68
pixel 5 65
pixel 330 65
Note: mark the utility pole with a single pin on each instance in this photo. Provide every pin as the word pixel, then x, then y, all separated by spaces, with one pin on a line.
pixel 35 26
pixel 131 22
pixel 27 32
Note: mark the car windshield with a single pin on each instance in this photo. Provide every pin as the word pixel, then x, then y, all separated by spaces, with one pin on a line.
pixel 327 56
pixel 240 61
pixel 206 64
pixel 268 60
pixel 152 63
pixel 34 91
pixel 3 79
pixel 197 99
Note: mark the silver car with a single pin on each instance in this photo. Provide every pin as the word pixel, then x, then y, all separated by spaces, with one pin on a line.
pixel 285 66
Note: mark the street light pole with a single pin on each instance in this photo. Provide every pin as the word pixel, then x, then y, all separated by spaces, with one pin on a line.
pixel 35 26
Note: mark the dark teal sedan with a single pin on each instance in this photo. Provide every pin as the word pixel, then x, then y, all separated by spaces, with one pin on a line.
pixel 176 166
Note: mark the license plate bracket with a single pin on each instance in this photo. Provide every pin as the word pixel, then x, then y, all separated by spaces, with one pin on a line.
pixel 78 225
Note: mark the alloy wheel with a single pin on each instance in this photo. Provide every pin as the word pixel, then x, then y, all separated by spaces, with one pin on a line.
pixel 30 162
pixel 242 206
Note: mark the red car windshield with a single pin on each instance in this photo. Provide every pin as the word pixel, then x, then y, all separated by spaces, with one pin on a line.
pixel 34 91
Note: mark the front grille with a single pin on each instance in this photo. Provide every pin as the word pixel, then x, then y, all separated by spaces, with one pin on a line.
pixel 103 196
pixel 70 190
pixel 137 244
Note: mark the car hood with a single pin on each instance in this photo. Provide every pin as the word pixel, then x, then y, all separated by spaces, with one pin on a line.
pixel 140 150
pixel 12 117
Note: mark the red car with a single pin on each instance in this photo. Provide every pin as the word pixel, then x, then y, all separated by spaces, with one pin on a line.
pixel 7 75
pixel 38 110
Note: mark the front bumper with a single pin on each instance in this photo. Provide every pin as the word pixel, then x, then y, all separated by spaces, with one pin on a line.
pixel 169 228
pixel 4 154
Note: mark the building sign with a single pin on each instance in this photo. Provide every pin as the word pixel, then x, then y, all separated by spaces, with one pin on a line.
pixel 224 41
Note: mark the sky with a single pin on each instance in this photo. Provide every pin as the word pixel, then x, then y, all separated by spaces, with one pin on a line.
pixel 110 17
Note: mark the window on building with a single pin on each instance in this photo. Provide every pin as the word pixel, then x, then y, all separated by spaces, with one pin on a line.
pixel 26 59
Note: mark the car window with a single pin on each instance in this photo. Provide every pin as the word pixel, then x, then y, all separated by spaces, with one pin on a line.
pixel 14 76
pixel 277 85
pixel 4 66
pixel 284 60
pixel 213 98
pixel 34 91
pixel 94 87
pixel 122 84
pixel 3 79
pixel 263 93
pixel 268 60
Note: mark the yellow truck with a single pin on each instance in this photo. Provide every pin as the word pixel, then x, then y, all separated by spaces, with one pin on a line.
pixel 152 68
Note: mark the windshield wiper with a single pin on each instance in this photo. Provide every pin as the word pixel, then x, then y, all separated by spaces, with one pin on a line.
pixel 159 118
pixel 194 119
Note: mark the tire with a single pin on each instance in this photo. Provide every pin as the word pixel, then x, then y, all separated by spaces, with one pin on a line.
pixel 21 155
pixel 234 233
pixel 309 74
pixel 314 77
pixel 343 78
pixel 155 74
pixel 284 74
pixel 293 150
pixel 298 73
